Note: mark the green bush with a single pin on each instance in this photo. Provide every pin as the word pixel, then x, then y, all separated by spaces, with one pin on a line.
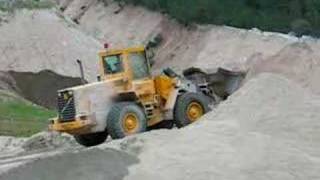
pixel 300 16
pixel 11 5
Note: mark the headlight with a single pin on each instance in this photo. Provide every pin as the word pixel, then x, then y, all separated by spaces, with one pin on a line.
pixel 70 92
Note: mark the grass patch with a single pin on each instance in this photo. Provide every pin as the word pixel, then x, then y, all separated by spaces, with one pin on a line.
pixel 12 5
pixel 19 117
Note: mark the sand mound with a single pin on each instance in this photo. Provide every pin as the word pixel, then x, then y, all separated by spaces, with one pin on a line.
pixel 298 61
pixel 47 141
pixel 42 141
pixel 7 144
pixel 267 130
pixel 37 40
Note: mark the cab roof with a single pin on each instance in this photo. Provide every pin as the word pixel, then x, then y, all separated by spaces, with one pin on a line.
pixel 107 52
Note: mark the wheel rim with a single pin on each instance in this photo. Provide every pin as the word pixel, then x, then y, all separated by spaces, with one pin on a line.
pixel 130 123
pixel 194 111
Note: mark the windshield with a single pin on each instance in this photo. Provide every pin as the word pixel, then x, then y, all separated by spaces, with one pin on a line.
pixel 139 65
pixel 112 64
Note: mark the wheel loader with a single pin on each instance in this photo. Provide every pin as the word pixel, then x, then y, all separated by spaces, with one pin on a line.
pixel 127 99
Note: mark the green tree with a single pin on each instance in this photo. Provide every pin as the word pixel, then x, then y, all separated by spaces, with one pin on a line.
pixel 301 16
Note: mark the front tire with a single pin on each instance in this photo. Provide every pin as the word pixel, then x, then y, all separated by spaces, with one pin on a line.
pixel 92 139
pixel 126 119
pixel 189 108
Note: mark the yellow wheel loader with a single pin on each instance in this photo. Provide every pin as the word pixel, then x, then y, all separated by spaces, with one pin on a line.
pixel 128 99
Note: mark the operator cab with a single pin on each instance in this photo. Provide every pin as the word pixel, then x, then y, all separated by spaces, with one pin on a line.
pixel 131 63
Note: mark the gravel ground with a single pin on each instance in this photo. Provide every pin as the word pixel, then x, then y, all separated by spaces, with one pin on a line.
pixel 97 164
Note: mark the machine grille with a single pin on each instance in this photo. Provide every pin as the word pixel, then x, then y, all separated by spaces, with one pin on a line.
pixel 66 106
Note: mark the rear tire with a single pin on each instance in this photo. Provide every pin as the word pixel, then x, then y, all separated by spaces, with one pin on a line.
pixel 124 119
pixel 91 139
pixel 190 107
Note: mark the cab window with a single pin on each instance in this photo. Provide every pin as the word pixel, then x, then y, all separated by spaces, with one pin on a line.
pixel 139 65
pixel 113 64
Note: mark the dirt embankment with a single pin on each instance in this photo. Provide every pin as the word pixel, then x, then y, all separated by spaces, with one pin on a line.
pixel 207 47
pixel 36 40
pixel 40 88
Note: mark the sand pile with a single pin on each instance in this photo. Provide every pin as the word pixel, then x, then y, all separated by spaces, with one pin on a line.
pixel 298 61
pixel 32 41
pixel 43 141
pixel 267 130
pixel 8 144
pixel 48 141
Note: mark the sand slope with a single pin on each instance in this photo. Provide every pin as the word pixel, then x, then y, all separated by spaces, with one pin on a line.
pixel 267 130
pixel 37 40
pixel 298 61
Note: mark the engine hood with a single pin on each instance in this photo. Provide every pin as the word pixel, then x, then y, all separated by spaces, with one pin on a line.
pixel 90 96
pixel 94 101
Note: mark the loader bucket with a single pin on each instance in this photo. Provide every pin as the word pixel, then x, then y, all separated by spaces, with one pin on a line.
pixel 223 82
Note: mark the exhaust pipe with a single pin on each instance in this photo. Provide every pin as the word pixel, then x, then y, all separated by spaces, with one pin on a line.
pixel 81 72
